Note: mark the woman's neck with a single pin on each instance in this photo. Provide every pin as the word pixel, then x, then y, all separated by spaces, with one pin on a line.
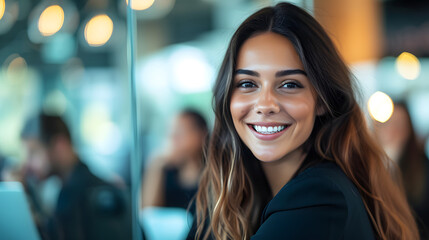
pixel 280 172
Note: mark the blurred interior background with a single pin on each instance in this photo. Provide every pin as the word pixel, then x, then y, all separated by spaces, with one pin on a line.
pixel 69 58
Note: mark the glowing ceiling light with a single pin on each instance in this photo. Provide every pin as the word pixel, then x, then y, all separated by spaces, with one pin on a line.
pixel 98 30
pixel 141 4
pixel 380 107
pixel 51 20
pixel 2 8
pixel 408 66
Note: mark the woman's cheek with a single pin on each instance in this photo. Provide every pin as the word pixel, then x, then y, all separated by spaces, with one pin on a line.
pixel 240 106
pixel 299 107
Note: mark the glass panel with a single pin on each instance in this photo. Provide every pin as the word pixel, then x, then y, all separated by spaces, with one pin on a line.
pixel 65 117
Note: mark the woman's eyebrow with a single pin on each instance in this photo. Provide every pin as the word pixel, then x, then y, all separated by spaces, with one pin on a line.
pixel 290 72
pixel 278 74
pixel 247 72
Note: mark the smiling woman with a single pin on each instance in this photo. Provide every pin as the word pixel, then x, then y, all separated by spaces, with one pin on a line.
pixel 273 104
pixel 291 156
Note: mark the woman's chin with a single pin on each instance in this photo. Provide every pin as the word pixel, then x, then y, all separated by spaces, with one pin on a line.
pixel 266 157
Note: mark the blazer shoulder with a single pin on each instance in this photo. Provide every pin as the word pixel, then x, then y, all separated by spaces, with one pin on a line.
pixel 322 197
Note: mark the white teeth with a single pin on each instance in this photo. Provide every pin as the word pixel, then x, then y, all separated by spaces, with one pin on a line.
pixel 268 130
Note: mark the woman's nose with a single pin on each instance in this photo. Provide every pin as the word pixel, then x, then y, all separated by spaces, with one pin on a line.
pixel 267 103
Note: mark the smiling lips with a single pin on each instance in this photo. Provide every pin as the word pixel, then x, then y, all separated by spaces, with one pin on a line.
pixel 268 131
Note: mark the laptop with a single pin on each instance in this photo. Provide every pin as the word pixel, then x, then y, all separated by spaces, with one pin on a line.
pixel 162 223
pixel 16 222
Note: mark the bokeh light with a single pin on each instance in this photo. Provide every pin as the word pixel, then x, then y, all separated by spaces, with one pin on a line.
pixel 140 4
pixel 191 72
pixel 51 20
pixel 98 30
pixel 93 117
pixel 99 130
pixel 408 66
pixel 9 14
pixel 380 106
pixel 17 64
pixel 2 8
pixel 16 67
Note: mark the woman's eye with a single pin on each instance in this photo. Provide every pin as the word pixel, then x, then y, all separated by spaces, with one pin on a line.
pixel 246 85
pixel 291 85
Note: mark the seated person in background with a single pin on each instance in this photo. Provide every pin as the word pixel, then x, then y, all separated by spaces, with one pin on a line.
pixel 172 179
pixel 400 142
pixel 35 174
pixel 87 207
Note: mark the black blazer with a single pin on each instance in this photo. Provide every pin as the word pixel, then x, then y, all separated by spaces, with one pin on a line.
pixel 319 203
pixel 89 208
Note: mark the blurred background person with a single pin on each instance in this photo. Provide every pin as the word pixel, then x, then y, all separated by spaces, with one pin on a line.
pixel 172 179
pixel 87 207
pixel 398 138
pixel 35 173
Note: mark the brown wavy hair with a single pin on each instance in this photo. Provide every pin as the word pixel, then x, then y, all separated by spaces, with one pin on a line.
pixel 234 190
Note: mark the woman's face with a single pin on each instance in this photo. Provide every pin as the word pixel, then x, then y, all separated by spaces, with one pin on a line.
pixel 273 104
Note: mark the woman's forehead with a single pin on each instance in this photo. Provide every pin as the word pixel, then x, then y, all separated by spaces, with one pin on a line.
pixel 268 51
